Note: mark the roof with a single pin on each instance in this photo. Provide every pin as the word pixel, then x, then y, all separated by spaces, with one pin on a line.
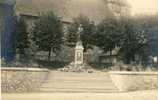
pixel 96 10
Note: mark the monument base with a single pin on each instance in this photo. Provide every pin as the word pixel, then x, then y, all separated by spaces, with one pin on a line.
pixel 77 68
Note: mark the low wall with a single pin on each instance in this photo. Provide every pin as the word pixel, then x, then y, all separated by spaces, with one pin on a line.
pixel 131 81
pixel 22 79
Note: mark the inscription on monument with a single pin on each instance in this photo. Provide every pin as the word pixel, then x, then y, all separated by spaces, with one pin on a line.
pixel 79 56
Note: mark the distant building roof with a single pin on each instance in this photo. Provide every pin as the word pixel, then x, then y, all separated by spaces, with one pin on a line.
pixel 96 10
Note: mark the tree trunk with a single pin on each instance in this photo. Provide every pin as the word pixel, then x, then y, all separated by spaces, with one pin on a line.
pixel 111 56
pixel 22 55
pixel 55 57
pixel 49 55
pixel 127 58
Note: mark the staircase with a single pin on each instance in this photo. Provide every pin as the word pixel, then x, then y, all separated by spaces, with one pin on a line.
pixel 97 82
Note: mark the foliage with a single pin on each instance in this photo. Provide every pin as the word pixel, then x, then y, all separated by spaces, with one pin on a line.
pixel 88 30
pixel 150 24
pixel 134 41
pixel 100 66
pixel 52 64
pixel 21 36
pixel 107 34
pixel 47 33
pixel 125 35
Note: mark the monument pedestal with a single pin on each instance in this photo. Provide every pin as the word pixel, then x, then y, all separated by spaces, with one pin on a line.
pixel 78 54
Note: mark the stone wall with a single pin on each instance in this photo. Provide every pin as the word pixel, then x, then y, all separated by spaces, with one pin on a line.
pixel 131 81
pixel 22 79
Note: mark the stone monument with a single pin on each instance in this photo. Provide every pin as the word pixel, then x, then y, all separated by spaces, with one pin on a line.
pixel 78 65
pixel 79 49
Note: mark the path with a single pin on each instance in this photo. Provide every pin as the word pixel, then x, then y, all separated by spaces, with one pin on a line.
pixel 139 95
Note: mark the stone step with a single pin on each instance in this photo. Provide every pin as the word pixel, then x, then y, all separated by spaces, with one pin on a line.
pixel 63 84
pixel 78 77
pixel 78 82
pixel 79 87
pixel 81 90
pixel 74 74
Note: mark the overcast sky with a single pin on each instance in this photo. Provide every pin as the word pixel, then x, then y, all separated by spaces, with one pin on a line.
pixel 144 6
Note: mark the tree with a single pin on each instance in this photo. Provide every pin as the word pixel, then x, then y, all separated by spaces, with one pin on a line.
pixel 124 34
pixel 134 41
pixel 21 36
pixel 47 33
pixel 86 36
pixel 149 26
pixel 107 35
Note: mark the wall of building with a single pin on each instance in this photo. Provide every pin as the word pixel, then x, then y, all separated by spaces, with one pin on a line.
pixel 7 19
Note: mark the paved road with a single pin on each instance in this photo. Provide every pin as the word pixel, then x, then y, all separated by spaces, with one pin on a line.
pixel 139 95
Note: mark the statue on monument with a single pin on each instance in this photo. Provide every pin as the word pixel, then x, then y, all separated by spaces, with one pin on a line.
pixel 79 32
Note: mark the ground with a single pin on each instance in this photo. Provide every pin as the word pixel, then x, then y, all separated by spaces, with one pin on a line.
pixel 75 86
pixel 138 95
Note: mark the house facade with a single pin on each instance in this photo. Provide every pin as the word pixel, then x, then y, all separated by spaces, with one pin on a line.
pixel 67 10
pixel 95 10
pixel 7 19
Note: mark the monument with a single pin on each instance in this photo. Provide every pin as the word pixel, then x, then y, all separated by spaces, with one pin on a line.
pixel 79 48
pixel 78 65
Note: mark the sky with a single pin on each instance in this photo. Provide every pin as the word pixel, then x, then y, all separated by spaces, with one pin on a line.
pixel 145 7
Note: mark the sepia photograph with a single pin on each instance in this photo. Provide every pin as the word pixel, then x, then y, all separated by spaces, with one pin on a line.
pixel 79 49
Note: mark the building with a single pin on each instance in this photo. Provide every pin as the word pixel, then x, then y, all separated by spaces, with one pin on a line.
pixel 119 7
pixel 95 10
pixel 7 29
